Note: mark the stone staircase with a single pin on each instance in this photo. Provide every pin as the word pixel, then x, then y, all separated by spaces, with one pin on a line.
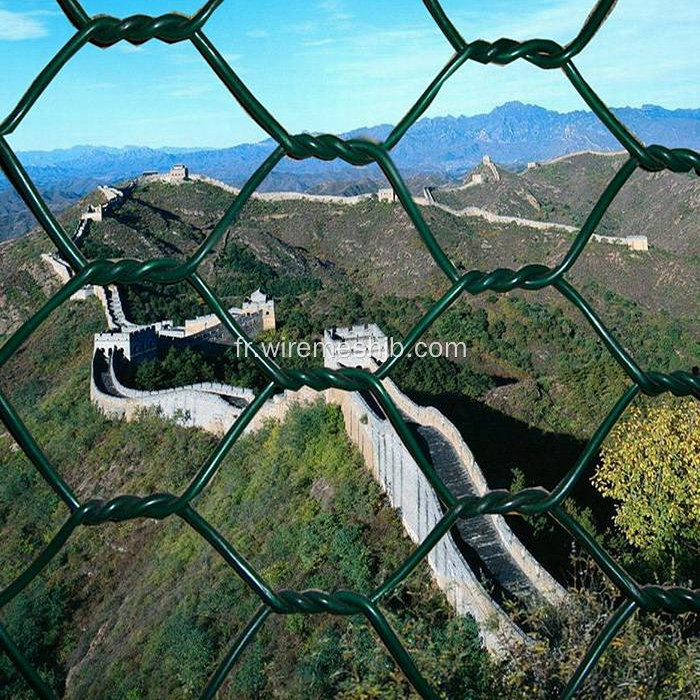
pixel 477 536
pixel 115 310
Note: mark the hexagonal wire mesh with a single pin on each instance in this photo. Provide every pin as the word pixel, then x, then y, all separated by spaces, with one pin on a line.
pixel 106 31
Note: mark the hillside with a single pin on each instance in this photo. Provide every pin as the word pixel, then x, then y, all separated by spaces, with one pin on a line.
pixel 301 238
pixel 662 206
pixel 122 613
pixel 532 368
pixel 326 265
pixel 296 500
pixel 434 150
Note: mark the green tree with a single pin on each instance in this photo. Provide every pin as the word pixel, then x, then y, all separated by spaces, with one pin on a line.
pixel 651 466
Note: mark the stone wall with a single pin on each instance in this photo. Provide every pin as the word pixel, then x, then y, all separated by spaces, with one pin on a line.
pixel 639 243
pixel 486 160
pixel 81 231
pixel 114 308
pixel 60 268
pixel 274 196
pixel 102 296
pixel 205 406
pixel 574 154
pixel 215 407
pixel 202 405
pixel 135 343
pixel 64 273
pixel 540 578
pixel 411 494
pixel 501 219
pixel 355 346
pixel 215 183
pixel 386 194
pixel 199 405
pixel 113 198
pixel 303 196
pixel 250 322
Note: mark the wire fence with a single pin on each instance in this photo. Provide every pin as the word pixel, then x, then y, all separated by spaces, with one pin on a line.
pixel 106 31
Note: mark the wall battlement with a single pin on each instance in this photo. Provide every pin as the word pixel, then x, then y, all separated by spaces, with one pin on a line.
pixel 208 407
pixel 215 407
pixel 410 493
pixel 263 196
pixel 96 212
pixel 355 346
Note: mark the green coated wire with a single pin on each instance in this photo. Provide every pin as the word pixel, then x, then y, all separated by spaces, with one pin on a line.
pixel 105 31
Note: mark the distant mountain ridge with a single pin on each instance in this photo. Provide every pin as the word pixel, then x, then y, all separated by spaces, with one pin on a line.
pixel 512 134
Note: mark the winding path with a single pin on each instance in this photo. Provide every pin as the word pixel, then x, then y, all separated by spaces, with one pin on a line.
pixel 479 564
pixel 478 534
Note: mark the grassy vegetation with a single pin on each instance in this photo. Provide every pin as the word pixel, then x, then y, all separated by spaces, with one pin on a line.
pixel 533 370
pixel 145 610
pixel 180 367
pixel 657 205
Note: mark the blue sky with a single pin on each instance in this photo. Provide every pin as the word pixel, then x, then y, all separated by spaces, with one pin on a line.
pixel 328 65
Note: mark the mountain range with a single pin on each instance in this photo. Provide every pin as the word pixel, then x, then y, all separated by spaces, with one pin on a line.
pixel 442 148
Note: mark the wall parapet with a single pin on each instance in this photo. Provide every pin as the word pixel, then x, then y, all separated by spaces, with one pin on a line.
pixel 540 578
pixel 493 218
pixel 217 388
pixel 410 493
pixel 273 196
pixel 188 406
pixel 203 405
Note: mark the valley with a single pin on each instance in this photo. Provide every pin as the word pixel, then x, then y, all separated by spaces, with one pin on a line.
pixel 534 385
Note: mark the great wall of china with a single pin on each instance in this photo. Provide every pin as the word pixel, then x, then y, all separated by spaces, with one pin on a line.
pixel 636 243
pixel 180 174
pixel 479 564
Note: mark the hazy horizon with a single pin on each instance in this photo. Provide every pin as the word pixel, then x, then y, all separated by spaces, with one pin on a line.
pixel 173 148
pixel 327 66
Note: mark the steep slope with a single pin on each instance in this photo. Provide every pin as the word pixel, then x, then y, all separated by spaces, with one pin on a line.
pixel 122 612
pixel 443 147
pixel 662 206
pixel 331 264
pixel 295 247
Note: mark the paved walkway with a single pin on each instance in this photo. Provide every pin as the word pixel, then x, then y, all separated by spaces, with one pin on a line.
pixel 478 534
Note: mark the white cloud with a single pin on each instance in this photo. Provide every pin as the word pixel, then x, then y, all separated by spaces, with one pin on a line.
pixel 17 26
pixel 191 91
pixel 258 34
pixel 125 47
pixel 318 42
pixel 307 27
pixel 335 10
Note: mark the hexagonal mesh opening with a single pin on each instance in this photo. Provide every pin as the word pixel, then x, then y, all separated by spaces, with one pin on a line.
pixel 107 31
